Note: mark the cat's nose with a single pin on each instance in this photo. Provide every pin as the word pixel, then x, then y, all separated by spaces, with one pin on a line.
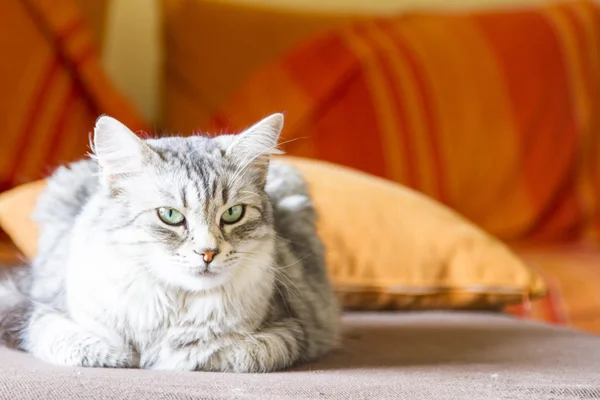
pixel 208 254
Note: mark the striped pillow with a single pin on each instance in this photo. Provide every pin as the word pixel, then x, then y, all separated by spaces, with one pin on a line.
pixel 492 113
pixel 53 89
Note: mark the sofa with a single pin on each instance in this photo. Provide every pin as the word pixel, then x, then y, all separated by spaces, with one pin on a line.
pixel 412 356
pixel 487 108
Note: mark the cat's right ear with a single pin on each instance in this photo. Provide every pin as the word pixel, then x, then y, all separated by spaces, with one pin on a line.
pixel 117 149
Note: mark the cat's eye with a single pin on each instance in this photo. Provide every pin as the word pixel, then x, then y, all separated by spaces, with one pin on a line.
pixel 170 216
pixel 233 214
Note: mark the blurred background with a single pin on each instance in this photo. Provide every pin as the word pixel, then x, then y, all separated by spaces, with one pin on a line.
pixel 485 105
pixel 489 106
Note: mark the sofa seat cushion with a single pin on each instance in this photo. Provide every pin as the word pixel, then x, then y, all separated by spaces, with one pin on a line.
pixel 413 356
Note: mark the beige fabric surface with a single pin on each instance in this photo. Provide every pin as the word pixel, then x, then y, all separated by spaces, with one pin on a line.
pixel 385 356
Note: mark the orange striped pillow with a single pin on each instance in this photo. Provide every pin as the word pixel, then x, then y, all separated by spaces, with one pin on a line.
pixel 491 113
pixel 53 89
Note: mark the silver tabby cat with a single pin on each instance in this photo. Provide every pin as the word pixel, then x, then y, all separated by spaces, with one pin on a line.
pixel 176 254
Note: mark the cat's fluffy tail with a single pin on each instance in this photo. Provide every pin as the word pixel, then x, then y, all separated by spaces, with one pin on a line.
pixel 13 303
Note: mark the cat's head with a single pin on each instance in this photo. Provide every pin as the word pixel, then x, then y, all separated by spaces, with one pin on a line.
pixel 192 210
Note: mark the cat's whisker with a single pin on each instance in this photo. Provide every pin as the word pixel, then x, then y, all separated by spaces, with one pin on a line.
pixel 248 259
pixel 284 239
pixel 286 285
pixel 139 273
pixel 251 338
pixel 285 303
pixel 295 262
pixel 252 193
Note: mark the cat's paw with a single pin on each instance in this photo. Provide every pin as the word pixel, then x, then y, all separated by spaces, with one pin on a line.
pixel 245 357
pixel 165 358
pixel 274 348
pixel 186 359
pixel 96 354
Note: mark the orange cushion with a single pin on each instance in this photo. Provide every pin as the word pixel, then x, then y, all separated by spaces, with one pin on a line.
pixel 492 113
pixel 387 247
pixel 53 88
pixel 9 253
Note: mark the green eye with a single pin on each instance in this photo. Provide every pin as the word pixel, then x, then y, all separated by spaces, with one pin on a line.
pixel 233 215
pixel 170 216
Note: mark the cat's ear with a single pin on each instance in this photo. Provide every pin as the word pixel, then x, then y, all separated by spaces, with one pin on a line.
pixel 255 145
pixel 117 149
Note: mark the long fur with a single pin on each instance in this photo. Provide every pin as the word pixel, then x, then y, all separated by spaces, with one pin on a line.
pixel 14 303
pixel 114 286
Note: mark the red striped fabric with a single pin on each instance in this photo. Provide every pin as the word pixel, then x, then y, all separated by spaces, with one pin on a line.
pixel 491 113
pixel 56 88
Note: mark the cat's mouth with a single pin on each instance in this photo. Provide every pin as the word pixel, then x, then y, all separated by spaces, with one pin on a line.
pixel 204 272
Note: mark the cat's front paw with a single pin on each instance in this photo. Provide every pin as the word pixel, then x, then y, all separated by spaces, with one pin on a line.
pixel 178 361
pixel 96 354
pixel 114 357
pixel 166 358
pixel 185 359
pixel 243 357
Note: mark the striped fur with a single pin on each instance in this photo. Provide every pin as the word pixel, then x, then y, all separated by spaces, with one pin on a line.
pixel 114 286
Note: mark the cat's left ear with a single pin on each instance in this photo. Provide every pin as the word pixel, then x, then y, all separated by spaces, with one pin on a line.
pixel 119 151
pixel 255 146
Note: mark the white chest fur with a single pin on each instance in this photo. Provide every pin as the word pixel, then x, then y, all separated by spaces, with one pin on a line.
pixel 109 296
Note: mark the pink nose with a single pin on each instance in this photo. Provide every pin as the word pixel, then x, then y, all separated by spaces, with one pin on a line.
pixel 209 254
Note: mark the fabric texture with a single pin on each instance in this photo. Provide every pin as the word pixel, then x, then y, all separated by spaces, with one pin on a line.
pixel 408 356
pixel 386 256
pixel 572 278
pixel 252 33
pixel 53 89
pixel 249 36
pixel 491 113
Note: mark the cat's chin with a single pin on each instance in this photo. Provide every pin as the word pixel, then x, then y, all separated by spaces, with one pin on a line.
pixel 198 281
pixel 205 273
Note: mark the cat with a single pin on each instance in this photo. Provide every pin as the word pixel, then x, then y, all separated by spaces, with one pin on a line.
pixel 177 253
